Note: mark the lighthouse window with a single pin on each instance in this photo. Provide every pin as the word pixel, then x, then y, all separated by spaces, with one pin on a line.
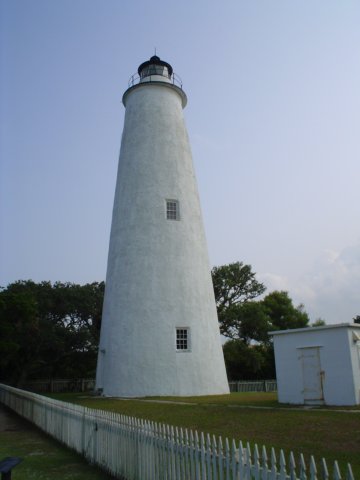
pixel 172 210
pixel 182 339
pixel 154 70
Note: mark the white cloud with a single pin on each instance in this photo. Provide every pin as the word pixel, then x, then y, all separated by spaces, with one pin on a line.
pixel 272 281
pixel 330 290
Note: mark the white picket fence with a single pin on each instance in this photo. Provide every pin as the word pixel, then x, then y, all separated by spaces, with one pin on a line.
pixel 134 449
pixel 88 384
pixel 253 386
pixel 60 385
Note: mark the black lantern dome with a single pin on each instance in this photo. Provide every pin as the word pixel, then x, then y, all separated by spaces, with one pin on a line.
pixel 155 66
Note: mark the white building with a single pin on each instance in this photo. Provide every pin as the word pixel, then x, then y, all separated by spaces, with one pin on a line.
pixel 159 333
pixel 318 365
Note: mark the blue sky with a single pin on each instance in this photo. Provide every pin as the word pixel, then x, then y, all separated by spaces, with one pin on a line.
pixel 273 117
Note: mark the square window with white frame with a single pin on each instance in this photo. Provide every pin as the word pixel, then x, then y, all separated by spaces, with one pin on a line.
pixel 172 210
pixel 182 339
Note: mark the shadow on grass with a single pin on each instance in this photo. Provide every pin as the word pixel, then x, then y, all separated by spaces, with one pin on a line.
pixel 43 457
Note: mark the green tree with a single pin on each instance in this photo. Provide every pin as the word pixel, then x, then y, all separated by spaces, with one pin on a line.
pixel 248 362
pixel 249 353
pixel 19 335
pixel 356 319
pixel 282 313
pixel 319 322
pixel 49 330
pixel 234 285
pixel 246 321
pixel 241 361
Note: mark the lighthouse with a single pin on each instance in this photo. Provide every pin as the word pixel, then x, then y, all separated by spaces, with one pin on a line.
pixel 159 332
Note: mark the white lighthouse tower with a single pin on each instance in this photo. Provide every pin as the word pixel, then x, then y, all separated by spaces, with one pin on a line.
pixel 159 333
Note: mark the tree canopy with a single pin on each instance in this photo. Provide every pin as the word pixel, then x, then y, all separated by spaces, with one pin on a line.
pixel 234 286
pixel 235 283
pixel 248 321
pixel 319 322
pixel 52 330
pixel 281 312
pixel 49 330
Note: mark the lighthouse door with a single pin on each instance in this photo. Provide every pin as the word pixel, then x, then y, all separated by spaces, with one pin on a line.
pixel 312 375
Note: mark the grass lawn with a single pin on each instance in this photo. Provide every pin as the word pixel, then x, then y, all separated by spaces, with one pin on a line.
pixel 251 417
pixel 43 457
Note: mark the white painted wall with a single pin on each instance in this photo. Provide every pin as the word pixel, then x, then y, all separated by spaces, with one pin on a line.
pixel 339 360
pixel 158 275
pixel 354 342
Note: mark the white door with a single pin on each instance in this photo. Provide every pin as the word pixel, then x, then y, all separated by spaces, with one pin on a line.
pixel 312 375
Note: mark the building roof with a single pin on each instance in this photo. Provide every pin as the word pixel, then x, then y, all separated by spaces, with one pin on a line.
pixel 155 60
pixel 316 329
